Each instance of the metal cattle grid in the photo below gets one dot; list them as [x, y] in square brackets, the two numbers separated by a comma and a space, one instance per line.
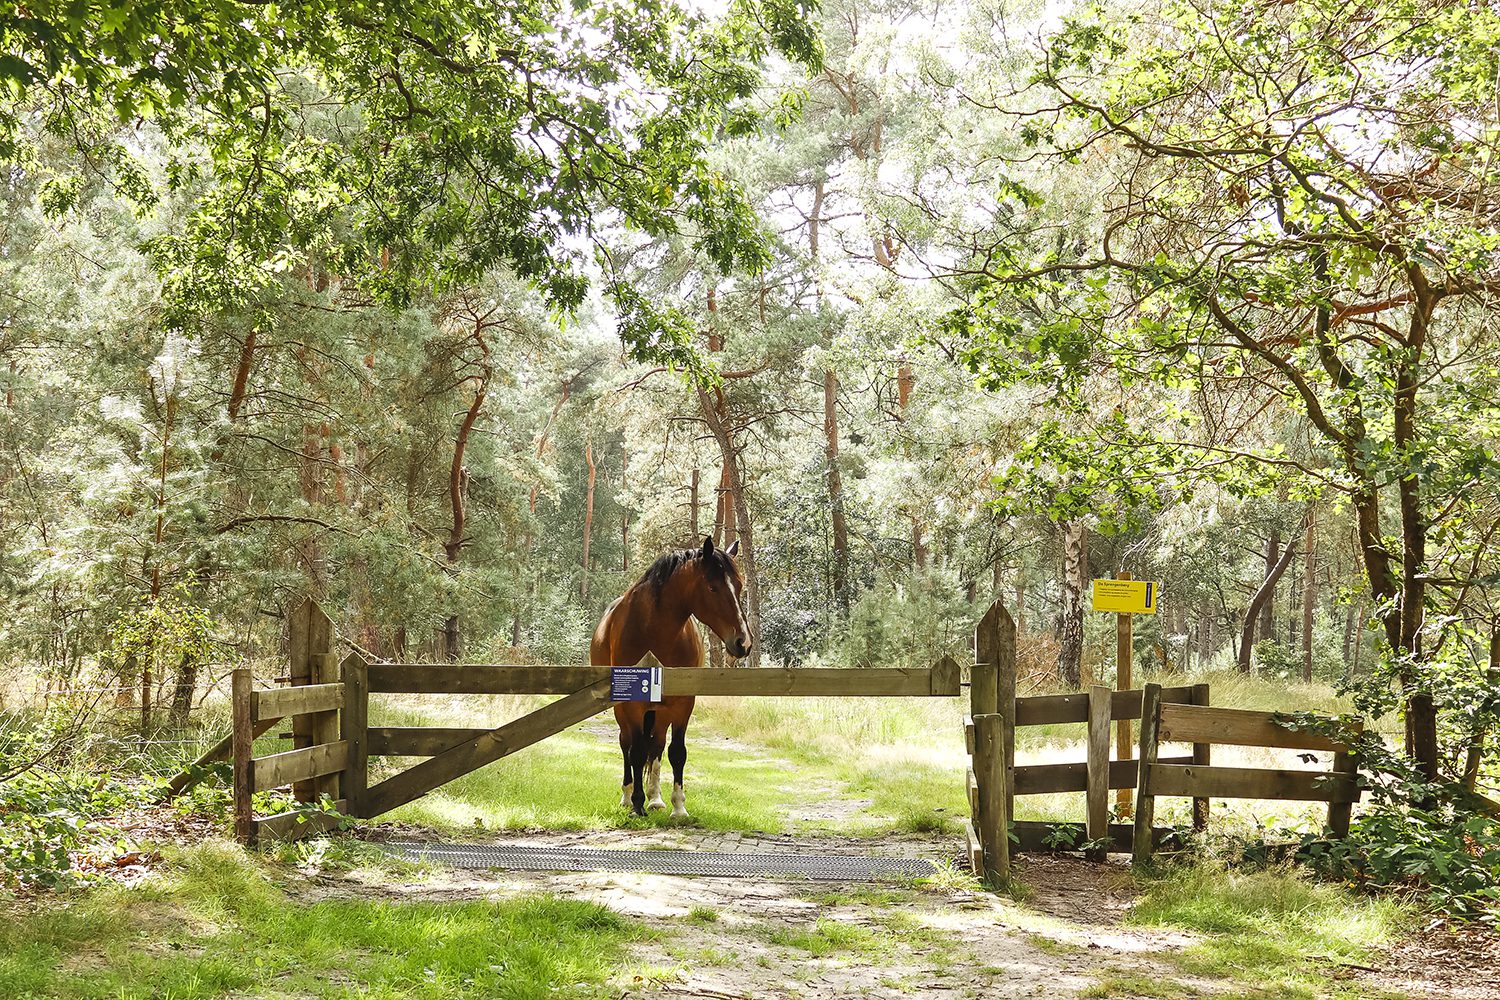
[824, 867]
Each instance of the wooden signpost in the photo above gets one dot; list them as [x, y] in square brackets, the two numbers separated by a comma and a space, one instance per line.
[1126, 597]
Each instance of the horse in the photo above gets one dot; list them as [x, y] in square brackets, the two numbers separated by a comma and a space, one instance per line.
[654, 618]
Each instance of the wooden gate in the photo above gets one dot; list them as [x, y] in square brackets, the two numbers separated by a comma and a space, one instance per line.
[328, 703]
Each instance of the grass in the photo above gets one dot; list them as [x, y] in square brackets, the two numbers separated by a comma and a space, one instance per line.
[906, 757]
[218, 926]
[1273, 932]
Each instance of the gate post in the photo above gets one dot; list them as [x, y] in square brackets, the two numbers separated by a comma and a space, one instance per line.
[1202, 756]
[310, 651]
[354, 723]
[1096, 791]
[993, 696]
[1145, 801]
[989, 764]
[242, 744]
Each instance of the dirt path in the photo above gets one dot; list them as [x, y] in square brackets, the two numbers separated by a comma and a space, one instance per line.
[740, 938]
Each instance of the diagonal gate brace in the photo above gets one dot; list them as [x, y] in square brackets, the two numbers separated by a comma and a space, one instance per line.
[486, 749]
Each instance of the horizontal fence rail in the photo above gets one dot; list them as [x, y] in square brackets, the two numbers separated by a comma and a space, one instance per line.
[1162, 723]
[406, 678]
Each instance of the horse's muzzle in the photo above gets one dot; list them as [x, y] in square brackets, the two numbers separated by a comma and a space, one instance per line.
[739, 647]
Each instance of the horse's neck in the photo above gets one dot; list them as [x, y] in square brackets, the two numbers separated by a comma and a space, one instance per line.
[661, 627]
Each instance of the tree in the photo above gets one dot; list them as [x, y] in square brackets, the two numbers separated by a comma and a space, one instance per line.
[1307, 204]
[409, 147]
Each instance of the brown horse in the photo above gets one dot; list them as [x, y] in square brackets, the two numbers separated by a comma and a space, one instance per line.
[655, 618]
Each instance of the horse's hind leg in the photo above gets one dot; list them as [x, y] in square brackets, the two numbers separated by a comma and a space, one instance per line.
[677, 754]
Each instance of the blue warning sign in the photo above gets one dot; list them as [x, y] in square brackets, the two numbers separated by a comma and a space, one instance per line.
[635, 684]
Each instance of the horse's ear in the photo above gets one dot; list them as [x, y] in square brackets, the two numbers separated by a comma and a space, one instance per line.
[734, 548]
[708, 545]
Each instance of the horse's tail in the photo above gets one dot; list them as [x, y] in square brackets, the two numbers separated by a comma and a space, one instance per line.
[648, 724]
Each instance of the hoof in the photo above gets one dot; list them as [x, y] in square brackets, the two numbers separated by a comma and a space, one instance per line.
[637, 811]
[680, 814]
[656, 803]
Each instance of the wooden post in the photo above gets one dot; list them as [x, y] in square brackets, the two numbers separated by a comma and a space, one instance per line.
[1124, 660]
[1202, 757]
[1097, 791]
[997, 632]
[1339, 812]
[354, 725]
[984, 692]
[309, 634]
[994, 820]
[242, 745]
[1145, 802]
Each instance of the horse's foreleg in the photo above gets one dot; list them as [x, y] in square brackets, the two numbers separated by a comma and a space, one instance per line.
[653, 781]
[627, 786]
[638, 747]
[677, 754]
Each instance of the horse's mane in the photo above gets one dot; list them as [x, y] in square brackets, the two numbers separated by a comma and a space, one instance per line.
[659, 572]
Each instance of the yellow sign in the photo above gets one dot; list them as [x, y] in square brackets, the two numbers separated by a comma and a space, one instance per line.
[1127, 597]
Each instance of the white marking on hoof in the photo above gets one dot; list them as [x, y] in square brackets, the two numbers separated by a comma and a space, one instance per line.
[653, 786]
[626, 791]
[679, 803]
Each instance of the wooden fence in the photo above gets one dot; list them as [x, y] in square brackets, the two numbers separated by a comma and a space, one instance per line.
[328, 704]
[1164, 722]
[994, 779]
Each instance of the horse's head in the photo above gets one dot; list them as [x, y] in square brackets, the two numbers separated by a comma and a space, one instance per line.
[715, 599]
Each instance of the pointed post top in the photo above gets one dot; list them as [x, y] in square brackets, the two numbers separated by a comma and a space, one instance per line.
[946, 677]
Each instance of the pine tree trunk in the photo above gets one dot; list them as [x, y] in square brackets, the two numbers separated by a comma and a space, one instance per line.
[1309, 595]
[1259, 601]
[1267, 626]
[836, 494]
[1075, 584]
[588, 516]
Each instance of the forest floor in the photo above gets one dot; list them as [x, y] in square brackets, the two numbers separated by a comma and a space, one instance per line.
[190, 915]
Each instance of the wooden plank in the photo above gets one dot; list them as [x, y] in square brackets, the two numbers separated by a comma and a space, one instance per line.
[354, 723]
[1145, 805]
[969, 735]
[973, 786]
[975, 850]
[1055, 709]
[1033, 836]
[944, 678]
[405, 678]
[1124, 664]
[1237, 727]
[400, 741]
[480, 678]
[242, 738]
[1073, 776]
[993, 820]
[194, 772]
[325, 728]
[1005, 638]
[300, 765]
[490, 746]
[300, 823]
[1252, 783]
[1343, 762]
[301, 700]
[1096, 778]
[1203, 757]
[984, 695]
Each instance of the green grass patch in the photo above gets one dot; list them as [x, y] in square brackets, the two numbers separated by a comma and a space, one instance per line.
[572, 782]
[826, 937]
[218, 926]
[1273, 931]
